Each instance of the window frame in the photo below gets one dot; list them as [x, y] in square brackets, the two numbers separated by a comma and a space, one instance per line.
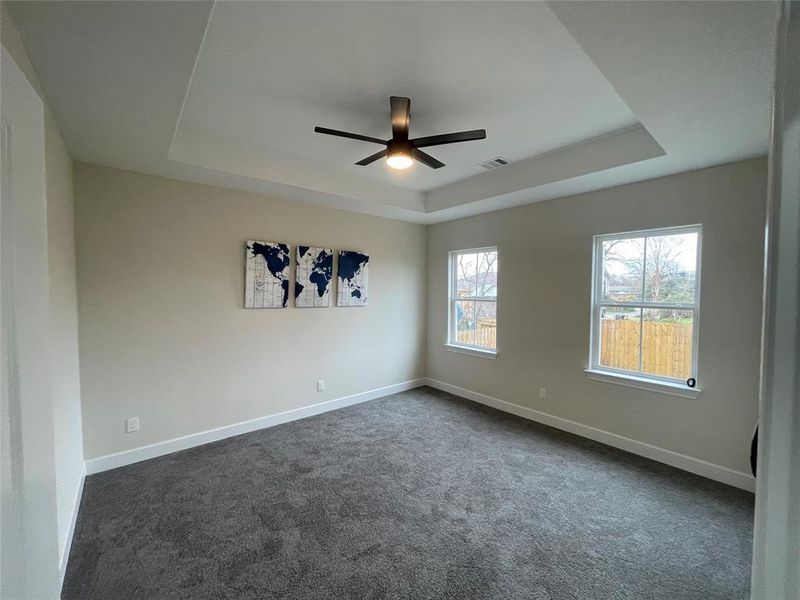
[451, 341]
[638, 378]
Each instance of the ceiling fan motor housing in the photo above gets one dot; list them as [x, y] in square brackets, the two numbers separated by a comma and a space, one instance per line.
[400, 147]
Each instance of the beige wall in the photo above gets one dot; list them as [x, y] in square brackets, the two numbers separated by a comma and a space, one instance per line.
[165, 337]
[545, 261]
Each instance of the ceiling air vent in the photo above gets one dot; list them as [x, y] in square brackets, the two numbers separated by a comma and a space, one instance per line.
[493, 163]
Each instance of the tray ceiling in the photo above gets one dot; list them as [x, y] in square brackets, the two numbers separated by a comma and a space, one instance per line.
[576, 95]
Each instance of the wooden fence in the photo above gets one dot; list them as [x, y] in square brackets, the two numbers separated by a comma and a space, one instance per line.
[485, 334]
[666, 347]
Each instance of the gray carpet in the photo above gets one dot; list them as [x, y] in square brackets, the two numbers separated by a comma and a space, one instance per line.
[416, 495]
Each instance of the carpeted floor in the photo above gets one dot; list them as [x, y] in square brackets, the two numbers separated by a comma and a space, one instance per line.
[416, 495]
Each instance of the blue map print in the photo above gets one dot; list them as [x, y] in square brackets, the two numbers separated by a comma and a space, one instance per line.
[314, 271]
[276, 259]
[353, 271]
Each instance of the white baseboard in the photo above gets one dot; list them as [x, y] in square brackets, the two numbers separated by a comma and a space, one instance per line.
[64, 555]
[127, 457]
[737, 479]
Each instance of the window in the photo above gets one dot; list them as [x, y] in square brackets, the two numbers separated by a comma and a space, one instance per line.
[473, 300]
[645, 304]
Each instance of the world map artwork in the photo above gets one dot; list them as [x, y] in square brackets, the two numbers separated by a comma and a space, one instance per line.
[353, 278]
[313, 277]
[266, 275]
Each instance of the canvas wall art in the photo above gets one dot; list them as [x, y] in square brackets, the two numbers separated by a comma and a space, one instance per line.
[313, 273]
[266, 275]
[353, 278]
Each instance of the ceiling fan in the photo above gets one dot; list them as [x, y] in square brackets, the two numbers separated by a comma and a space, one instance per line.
[401, 152]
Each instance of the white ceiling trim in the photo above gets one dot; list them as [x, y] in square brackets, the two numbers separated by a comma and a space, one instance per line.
[625, 147]
[212, 151]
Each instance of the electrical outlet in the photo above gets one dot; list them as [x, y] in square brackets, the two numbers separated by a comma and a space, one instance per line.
[131, 424]
[542, 393]
[321, 385]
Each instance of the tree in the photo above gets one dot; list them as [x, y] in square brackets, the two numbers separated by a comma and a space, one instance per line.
[622, 269]
[666, 280]
[477, 277]
[654, 262]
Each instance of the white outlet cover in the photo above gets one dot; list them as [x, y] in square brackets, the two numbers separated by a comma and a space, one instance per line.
[131, 424]
[321, 385]
[542, 393]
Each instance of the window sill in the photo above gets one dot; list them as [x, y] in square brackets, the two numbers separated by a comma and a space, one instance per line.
[642, 383]
[490, 354]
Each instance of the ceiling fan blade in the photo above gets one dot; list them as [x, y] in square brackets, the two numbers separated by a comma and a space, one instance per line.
[371, 159]
[352, 136]
[427, 159]
[449, 138]
[401, 109]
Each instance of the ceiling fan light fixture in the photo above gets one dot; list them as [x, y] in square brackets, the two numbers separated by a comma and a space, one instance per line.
[400, 152]
[399, 161]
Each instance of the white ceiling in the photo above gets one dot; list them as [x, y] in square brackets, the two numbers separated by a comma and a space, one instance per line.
[578, 95]
[268, 72]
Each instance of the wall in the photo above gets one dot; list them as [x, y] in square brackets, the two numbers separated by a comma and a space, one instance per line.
[776, 534]
[64, 363]
[59, 369]
[165, 337]
[28, 528]
[545, 262]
